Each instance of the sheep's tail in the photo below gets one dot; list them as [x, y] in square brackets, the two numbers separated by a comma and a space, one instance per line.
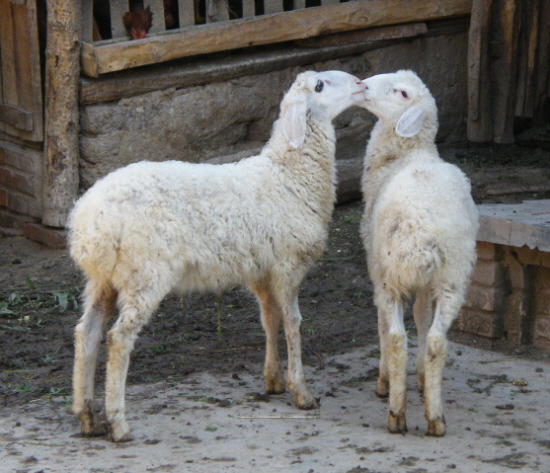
[94, 250]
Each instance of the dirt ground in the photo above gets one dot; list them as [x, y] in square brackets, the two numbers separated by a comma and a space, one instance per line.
[201, 357]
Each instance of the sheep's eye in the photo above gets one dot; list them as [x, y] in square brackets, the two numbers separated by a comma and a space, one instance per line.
[404, 94]
[319, 86]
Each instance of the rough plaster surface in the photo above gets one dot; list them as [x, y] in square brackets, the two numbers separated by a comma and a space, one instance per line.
[228, 118]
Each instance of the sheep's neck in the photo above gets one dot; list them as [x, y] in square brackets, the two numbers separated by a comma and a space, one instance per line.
[386, 146]
[387, 153]
[311, 168]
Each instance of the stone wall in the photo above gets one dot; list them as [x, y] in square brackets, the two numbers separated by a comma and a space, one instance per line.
[228, 120]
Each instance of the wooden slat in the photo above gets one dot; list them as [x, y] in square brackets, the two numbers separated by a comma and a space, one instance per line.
[542, 88]
[249, 9]
[16, 117]
[329, 2]
[8, 56]
[118, 8]
[20, 70]
[530, 23]
[273, 6]
[157, 8]
[186, 11]
[221, 68]
[480, 116]
[216, 10]
[114, 55]
[504, 70]
[299, 4]
[87, 21]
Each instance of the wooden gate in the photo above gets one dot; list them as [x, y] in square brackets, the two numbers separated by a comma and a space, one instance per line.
[21, 109]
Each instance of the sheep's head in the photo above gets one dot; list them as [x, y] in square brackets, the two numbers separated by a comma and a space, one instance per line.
[330, 91]
[403, 101]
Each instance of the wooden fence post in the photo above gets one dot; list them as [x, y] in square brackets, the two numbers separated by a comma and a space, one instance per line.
[62, 120]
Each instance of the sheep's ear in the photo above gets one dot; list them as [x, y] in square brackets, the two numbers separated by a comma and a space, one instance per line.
[293, 121]
[410, 123]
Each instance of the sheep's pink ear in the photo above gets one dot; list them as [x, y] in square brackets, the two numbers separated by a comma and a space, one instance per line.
[411, 122]
[293, 121]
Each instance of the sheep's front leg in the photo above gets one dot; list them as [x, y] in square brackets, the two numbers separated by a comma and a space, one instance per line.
[396, 355]
[120, 342]
[271, 321]
[99, 307]
[296, 381]
[447, 308]
[423, 315]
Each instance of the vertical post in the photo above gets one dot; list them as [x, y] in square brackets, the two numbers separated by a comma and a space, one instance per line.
[62, 121]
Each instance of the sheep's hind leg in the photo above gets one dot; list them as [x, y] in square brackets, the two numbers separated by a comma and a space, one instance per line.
[423, 315]
[447, 307]
[396, 355]
[135, 312]
[99, 307]
[292, 320]
[383, 383]
[271, 321]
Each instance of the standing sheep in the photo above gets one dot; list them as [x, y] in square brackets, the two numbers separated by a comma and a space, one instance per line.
[151, 228]
[419, 230]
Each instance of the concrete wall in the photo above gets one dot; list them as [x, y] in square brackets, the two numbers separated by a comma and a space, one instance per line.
[227, 120]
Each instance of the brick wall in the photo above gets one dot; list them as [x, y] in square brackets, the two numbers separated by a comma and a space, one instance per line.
[509, 296]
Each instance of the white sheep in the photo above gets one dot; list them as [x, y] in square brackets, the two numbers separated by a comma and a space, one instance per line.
[151, 228]
[419, 229]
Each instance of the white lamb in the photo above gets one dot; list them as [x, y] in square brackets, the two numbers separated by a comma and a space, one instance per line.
[151, 228]
[419, 229]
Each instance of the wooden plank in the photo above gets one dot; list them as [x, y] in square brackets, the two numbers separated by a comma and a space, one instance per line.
[118, 8]
[129, 83]
[8, 56]
[383, 33]
[249, 9]
[542, 87]
[16, 117]
[116, 55]
[504, 70]
[299, 4]
[273, 6]
[526, 58]
[216, 10]
[62, 117]
[480, 116]
[20, 70]
[87, 21]
[157, 8]
[329, 2]
[186, 11]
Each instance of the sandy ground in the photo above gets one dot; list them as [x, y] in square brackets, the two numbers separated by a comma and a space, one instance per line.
[497, 410]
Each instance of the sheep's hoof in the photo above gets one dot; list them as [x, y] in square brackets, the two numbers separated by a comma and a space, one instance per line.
[90, 423]
[382, 388]
[120, 434]
[397, 424]
[421, 383]
[306, 403]
[274, 386]
[437, 427]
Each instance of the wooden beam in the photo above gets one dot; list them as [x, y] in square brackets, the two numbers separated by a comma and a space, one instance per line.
[110, 56]
[62, 119]
[480, 115]
[220, 67]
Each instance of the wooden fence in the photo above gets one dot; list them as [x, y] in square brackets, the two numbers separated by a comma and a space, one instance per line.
[256, 23]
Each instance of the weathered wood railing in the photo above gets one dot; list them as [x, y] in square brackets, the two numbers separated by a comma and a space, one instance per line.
[274, 25]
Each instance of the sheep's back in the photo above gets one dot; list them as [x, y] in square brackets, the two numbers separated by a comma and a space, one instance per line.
[426, 223]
